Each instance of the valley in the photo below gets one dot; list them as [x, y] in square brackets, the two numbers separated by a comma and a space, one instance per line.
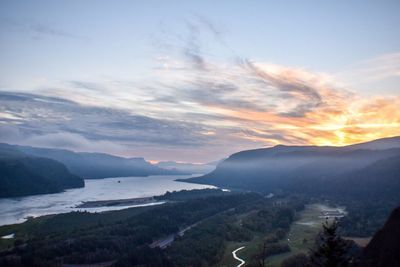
[199, 133]
[165, 221]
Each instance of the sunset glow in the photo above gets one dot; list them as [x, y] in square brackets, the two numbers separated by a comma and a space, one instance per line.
[187, 87]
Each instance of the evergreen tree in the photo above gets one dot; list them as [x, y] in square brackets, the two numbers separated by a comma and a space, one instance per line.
[331, 249]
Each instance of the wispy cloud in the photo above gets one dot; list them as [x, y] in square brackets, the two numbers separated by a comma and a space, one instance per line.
[378, 69]
[35, 115]
[37, 120]
[280, 104]
[194, 104]
[38, 29]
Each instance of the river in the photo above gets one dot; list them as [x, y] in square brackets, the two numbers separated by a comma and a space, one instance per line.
[16, 210]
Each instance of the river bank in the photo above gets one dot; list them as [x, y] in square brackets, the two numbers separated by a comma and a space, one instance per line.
[98, 194]
[120, 202]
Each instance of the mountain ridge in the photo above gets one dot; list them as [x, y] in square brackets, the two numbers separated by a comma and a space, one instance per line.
[97, 165]
[302, 168]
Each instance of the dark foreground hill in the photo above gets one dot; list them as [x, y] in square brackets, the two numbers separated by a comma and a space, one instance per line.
[384, 248]
[364, 170]
[97, 165]
[22, 175]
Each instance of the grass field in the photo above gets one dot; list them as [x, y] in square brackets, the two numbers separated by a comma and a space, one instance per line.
[250, 248]
[300, 238]
[302, 233]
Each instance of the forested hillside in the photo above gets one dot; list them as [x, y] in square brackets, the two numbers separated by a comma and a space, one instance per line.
[22, 175]
[364, 177]
[353, 171]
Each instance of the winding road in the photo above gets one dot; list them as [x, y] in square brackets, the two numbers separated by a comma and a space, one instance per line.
[242, 262]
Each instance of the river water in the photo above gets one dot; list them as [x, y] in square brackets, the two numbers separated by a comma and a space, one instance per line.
[16, 210]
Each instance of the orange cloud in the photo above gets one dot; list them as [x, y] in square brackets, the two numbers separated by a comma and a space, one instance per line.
[311, 110]
[248, 104]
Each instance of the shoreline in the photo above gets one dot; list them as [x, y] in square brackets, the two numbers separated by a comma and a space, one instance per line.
[118, 202]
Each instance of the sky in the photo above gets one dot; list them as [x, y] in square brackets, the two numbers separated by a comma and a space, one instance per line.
[195, 81]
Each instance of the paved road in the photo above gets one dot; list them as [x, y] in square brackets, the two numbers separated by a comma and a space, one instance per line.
[242, 262]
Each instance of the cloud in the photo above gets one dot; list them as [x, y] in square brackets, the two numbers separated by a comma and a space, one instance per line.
[249, 104]
[242, 106]
[38, 120]
[34, 115]
[92, 86]
[72, 141]
[212, 27]
[292, 83]
[38, 29]
[191, 50]
[272, 104]
[381, 72]
[43, 29]
[193, 105]
[189, 47]
[255, 86]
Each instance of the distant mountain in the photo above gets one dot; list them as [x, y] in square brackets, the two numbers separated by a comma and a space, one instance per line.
[361, 169]
[97, 165]
[384, 248]
[190, 168]
[22, 175]
[383, 143]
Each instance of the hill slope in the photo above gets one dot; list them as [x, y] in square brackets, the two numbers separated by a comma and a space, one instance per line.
[384, 248]
[22, 175]
[358, 169]
[97, 165]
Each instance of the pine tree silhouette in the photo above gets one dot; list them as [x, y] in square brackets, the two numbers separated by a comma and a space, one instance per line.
[331, 249]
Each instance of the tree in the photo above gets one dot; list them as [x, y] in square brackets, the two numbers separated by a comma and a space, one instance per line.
[331, 249]
[298, 260]
[263, 254]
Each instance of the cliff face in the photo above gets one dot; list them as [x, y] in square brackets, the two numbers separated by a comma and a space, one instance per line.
[384, 248]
